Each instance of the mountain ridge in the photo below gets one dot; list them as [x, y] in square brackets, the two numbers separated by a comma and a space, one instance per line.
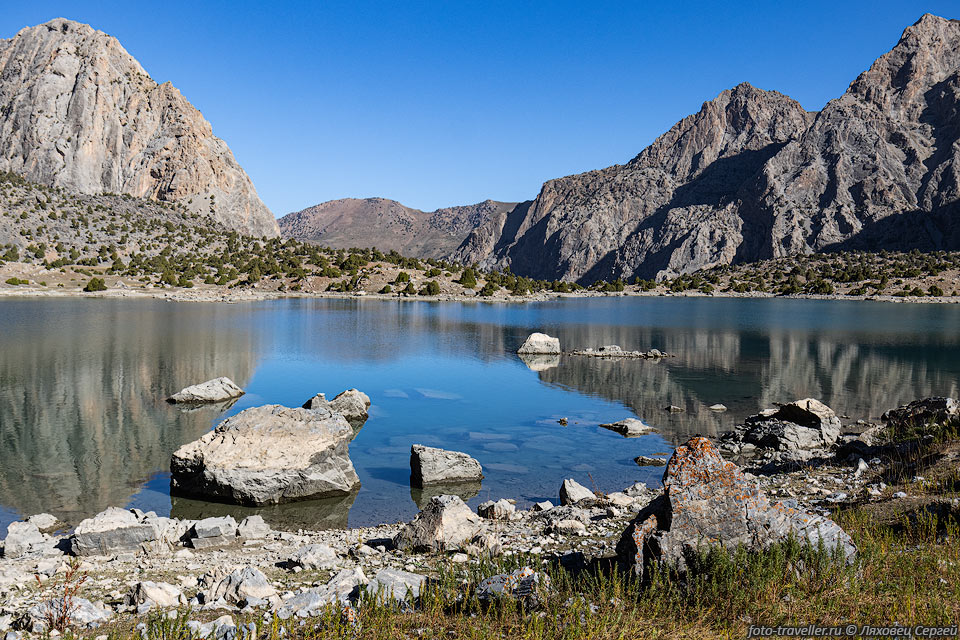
[753, 176]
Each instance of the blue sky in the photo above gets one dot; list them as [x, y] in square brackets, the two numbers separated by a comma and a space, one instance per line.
[442, 103]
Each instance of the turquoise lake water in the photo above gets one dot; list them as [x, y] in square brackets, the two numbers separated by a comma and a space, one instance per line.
[84, 424]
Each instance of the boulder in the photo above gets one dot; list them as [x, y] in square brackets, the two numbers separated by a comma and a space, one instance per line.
[240, 586]
[342, 589]
[79, 611]
[313, 556]
[499, 510]
[253, 527]
[522, 584]
[707, 500]
[216, 390]
[429, 465]
[160, 594]
[268, 455]
[24, 539]
[353, 405]
[445, 524]
[317, 401]
[537, 343]
[44, 521]
[649, 461]
[400, 586]
[919, 412]
[222, 526]
[795, 429]
[572, 492]
[109, 532]
[629, 427]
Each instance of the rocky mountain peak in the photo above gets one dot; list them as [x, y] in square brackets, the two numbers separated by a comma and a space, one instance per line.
[79, 112]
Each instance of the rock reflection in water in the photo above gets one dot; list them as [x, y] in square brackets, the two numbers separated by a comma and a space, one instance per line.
[325, 513]
[464, 490]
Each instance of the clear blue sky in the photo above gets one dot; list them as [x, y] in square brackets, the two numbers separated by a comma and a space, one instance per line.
[442, 103]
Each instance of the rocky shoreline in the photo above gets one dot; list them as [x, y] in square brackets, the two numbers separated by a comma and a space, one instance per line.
[133, 563]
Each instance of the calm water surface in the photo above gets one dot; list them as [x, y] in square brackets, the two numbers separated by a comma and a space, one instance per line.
[84, 425]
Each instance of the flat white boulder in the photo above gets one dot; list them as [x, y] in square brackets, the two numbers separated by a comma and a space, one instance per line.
[268, 455]
[540, 343]
[216, 390]
[629, 427]
[429, 465]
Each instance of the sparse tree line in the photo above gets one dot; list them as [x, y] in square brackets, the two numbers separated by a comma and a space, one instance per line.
[165, 244]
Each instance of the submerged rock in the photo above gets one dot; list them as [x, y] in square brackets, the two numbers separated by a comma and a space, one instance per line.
[707, 500]
[446, 524]
[268, 455]
[429, 465]
[540, 343]
[649, 461]
[216, 390]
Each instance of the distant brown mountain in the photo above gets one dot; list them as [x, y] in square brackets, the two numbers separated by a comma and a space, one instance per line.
[388, 225]
[753, 176]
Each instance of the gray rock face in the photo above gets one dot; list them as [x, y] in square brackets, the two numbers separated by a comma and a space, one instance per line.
[216, 390]
[43, 521]
[214, 527]
[446, 524]
[572, 492]
[707, 500]
[499, 510]
[429, 465]
[342, 589]
[268, 455]
[82, 114]
[109, 532]
[23, 539]
[539, 343]
[753, 176]
[629, 427]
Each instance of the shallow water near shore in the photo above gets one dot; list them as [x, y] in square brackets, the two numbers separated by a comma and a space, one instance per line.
[84, 425]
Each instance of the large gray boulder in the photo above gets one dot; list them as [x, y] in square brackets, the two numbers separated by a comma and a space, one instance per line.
[24, 539]
[268, 455]
[111, 531]
[446, 524]
[429, 465]
[216, 390]
[540, 343]
[707, 500]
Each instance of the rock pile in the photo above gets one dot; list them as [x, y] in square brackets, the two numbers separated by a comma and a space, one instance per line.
[614, 351]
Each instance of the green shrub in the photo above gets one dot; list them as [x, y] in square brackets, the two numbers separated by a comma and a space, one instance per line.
[431, 288]
[95, 284]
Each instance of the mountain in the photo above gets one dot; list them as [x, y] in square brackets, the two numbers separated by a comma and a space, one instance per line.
[388, 225]
[753, 176]
[79, 112]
